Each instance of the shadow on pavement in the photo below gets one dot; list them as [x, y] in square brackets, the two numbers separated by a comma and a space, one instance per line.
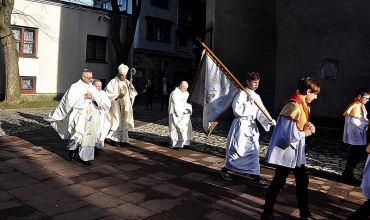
[143, 180]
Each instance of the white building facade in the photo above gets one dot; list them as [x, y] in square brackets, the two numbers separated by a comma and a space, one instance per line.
[56, 40]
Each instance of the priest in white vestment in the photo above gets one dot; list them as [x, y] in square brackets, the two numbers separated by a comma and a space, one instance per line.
[104, 112]
[76, 118]
[179, 111]
[122, 93]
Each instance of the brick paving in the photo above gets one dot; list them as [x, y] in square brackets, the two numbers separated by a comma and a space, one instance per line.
[145, 180]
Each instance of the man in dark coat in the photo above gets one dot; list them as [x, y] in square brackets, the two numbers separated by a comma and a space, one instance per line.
[164, 90]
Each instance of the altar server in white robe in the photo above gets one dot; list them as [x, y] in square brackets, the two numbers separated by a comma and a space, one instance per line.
[122, 93]
[287, 148]
[181, 130]
[104, 111]
[76, 118]
[242, 147]
[356, 124]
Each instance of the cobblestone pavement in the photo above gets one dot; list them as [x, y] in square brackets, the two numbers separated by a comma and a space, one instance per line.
[144, 179]
[327, 153]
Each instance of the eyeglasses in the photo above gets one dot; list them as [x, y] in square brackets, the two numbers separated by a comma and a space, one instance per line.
[87, 77]
[366, 98]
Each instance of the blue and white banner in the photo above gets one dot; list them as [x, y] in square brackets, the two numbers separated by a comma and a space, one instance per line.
[213, 91]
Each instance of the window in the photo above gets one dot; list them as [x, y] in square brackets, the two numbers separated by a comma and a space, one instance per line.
[26, 40]
[105, 6]
[159, 3]
[28, 84]
[329, 68]
[185, 14]
[158, 29]
[101, 4]
[95, 48]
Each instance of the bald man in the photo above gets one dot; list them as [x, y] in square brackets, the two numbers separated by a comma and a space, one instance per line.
[179, 111]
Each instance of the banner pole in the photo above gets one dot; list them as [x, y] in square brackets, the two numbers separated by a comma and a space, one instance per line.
[233, 79]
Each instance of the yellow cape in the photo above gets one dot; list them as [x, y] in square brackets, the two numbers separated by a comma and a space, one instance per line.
[354, 110]
[297, 112]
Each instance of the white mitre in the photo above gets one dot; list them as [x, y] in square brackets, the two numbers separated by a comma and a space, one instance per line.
[123, 69]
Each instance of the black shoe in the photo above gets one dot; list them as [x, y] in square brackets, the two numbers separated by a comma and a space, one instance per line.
[266, 216]
[110, 142]
[260, 183]
[362, 212]
[71, 155]
[176, 148]
[225, 174]
[116, 144]
[309, 217]
[96, 151]
[88, 163]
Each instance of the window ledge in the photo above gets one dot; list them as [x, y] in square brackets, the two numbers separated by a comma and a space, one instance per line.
[27, 56]
[28, 91]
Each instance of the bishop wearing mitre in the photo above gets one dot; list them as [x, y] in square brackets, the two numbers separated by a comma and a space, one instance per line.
[122, 93]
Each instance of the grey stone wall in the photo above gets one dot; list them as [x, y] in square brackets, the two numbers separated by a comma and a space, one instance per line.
[311, 31]
[242, 34]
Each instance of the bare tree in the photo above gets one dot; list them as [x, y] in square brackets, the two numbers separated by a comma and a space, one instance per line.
[12, 87]
[123, 49]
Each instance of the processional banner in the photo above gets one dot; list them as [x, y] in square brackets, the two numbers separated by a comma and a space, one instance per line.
[212, 90]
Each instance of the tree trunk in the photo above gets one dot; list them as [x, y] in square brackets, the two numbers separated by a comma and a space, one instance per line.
[116, 32]
[136, 9]
[123, 50]
[12, 87]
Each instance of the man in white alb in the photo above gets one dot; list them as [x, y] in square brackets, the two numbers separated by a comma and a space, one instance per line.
[76, 118]
[104, 111]
[179, 111]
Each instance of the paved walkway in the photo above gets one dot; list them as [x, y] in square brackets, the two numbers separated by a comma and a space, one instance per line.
[144, 180]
